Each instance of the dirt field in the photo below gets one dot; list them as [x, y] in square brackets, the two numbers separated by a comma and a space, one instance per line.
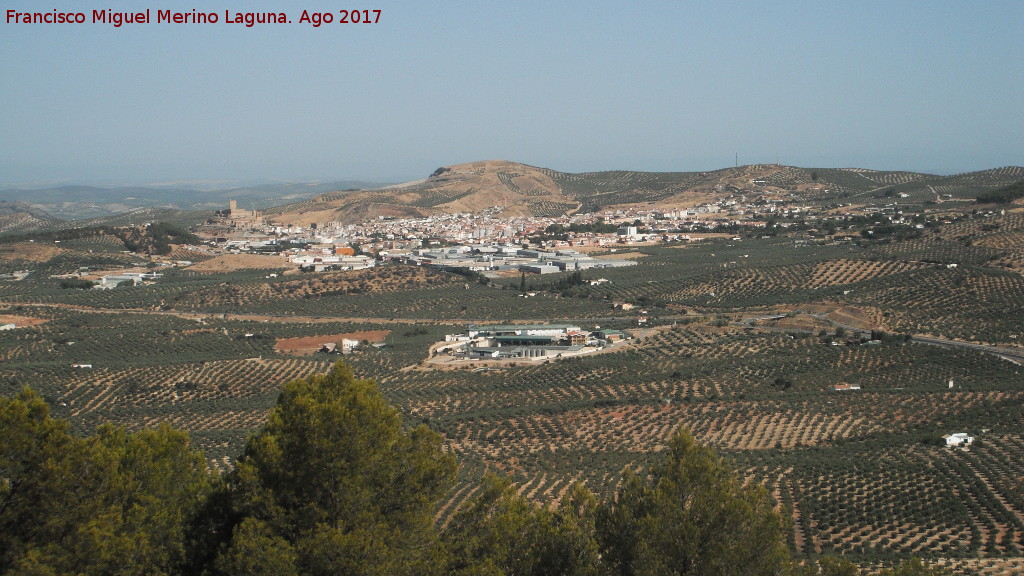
[21, 321]
[229, 262]
[864, 318]
[97, 274]
[622, 256]
[31, 251]
[310, 344]
[802, 322]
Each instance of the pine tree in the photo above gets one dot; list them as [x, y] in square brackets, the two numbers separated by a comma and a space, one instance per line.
[692, 516]
[334, 478]
[112, 503]
[500, 533]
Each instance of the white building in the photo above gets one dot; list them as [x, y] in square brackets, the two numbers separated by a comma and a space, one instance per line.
[554, 330]
[959, 439]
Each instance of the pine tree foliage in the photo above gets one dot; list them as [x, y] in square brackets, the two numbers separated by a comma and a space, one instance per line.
[334, 483]
[500, 533]
[335, 476]
[692, 516]
[112, 503]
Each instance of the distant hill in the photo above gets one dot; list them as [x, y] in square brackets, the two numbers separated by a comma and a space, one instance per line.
[21, 217]
[84, 202]
[513, 189]
[504, 188]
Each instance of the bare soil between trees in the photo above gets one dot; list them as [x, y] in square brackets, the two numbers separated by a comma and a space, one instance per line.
[21, 321]
[306, 345]
[232, 262]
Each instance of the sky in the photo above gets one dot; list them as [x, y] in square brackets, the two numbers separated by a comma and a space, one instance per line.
[933, 86]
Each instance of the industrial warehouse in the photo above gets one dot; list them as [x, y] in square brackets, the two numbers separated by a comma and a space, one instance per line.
[527, 341]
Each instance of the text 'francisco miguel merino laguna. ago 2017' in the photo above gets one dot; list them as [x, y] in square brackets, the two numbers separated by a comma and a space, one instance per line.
[249, 19]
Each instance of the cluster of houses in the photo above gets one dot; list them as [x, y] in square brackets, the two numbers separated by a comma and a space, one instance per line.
[240, 231]
[332, 258]
[16, 275]
[345, 346]
[527, 341]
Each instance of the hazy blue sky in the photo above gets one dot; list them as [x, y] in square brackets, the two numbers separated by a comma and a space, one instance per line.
[934, 85]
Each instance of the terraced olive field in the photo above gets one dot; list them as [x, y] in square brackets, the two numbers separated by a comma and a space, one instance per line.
[755, 345]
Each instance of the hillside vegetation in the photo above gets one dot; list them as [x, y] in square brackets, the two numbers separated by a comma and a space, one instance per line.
[522, 190]
[333, 483]
[514, 189]
[824, 360]
[1004, 195]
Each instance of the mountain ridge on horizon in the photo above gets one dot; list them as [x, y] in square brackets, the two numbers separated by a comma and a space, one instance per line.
[515, 189]
[83, 201]
[505, 188]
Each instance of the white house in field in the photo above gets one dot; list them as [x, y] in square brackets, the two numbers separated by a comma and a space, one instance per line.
[958, 439]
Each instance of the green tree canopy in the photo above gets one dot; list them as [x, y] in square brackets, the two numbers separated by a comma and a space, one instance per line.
[500, 533]
[38, 460]
[111, 503]
[692, 516]
[1004, 195]
[335, 484]
[335, 481]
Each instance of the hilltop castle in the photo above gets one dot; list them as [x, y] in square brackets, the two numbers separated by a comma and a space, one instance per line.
[243, 218]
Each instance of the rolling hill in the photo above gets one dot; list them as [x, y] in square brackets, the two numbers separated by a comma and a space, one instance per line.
[512, 189]
[18, 217]
[90, 202]
[503, 188]
[827, 370]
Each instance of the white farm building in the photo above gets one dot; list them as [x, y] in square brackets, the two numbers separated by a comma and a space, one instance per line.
[535, 341]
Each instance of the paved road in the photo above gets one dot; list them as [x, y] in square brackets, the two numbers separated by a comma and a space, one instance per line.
[1015, 356]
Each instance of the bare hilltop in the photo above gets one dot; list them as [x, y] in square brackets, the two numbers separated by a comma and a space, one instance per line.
[514, 189]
